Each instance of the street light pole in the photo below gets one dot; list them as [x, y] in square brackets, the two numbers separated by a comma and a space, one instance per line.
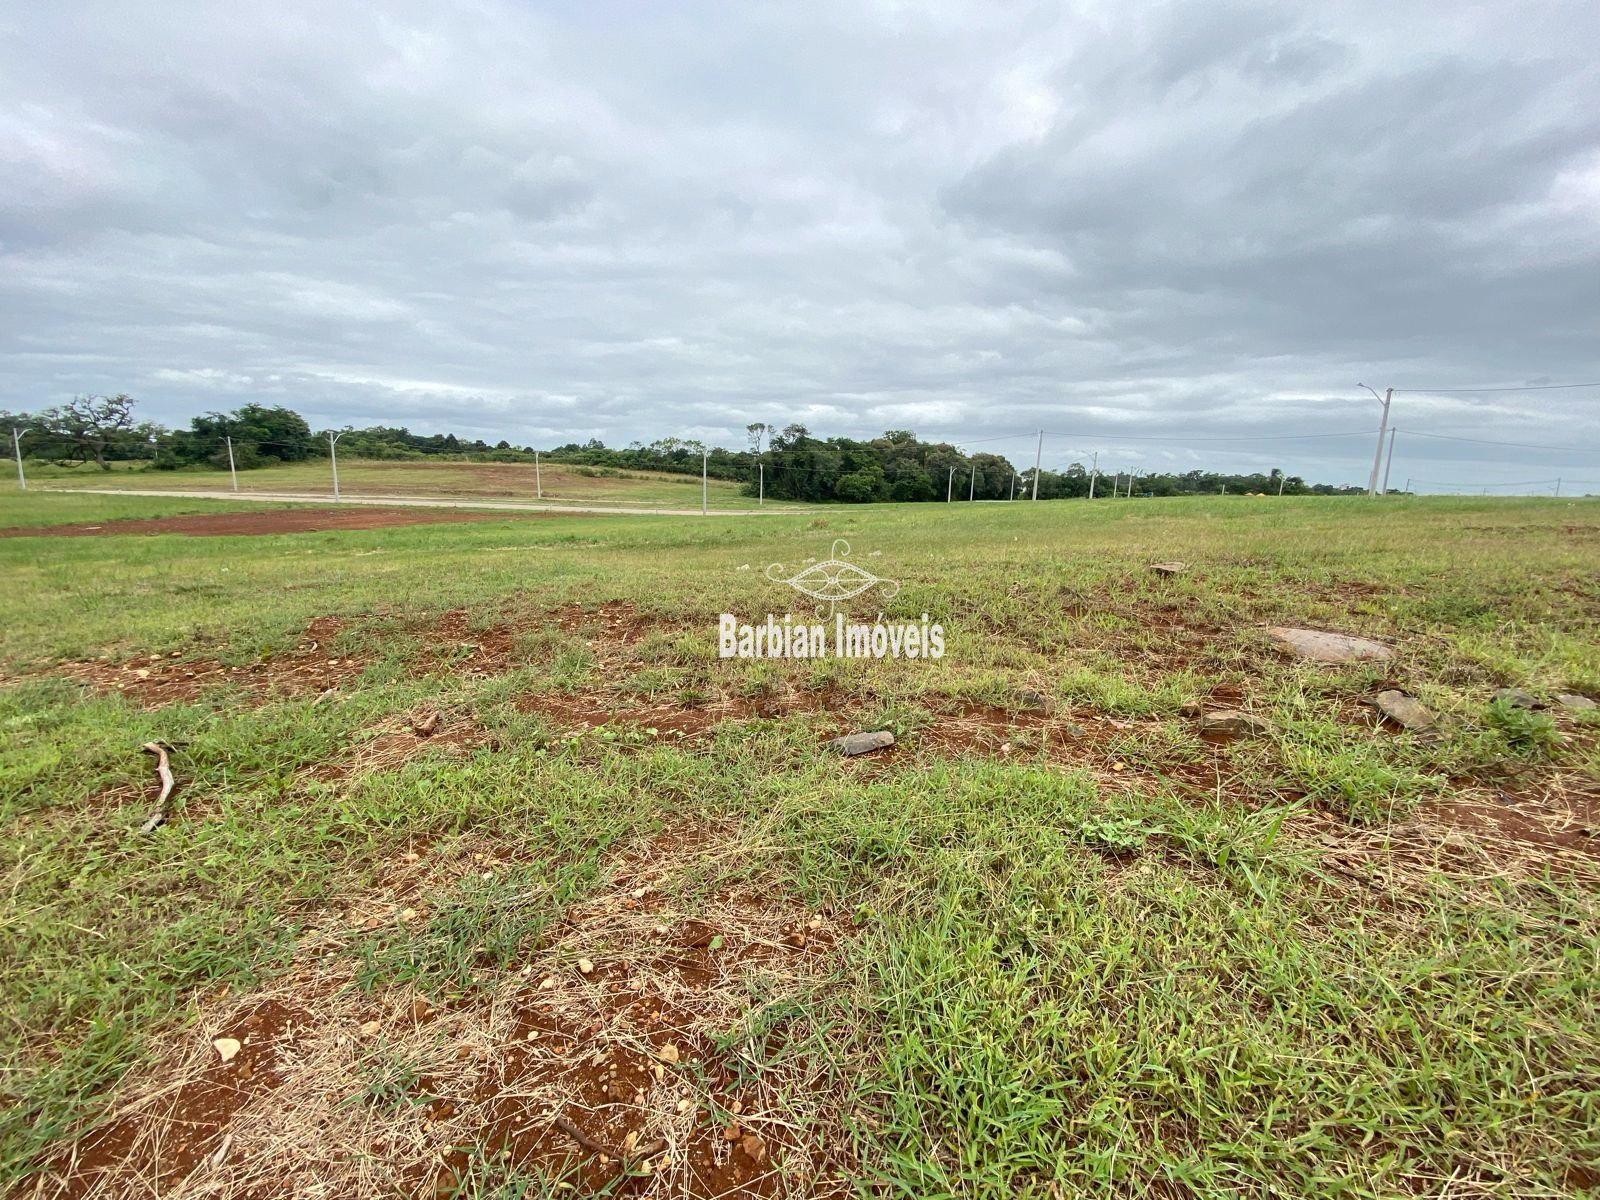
[1038, 455]
[1383, 429]
[705, 456]
[972, 483]
[1389, 461]
[1094, 469]
[333, 457]
[16, 446]
[949, 486]
[538, 479]
[233, 472]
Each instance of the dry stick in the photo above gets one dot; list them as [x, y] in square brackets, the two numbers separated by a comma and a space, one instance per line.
[165, 772]
[588, 1143]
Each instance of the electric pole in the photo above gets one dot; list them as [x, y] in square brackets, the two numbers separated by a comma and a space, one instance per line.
[538, 479]
[1383, 429]
[233, 472]
[1038, 456]
[1389, 461]
[16, 446]
[705, 456]
[1094, 469]
[949, 486]
[972, 483]
[333, 458]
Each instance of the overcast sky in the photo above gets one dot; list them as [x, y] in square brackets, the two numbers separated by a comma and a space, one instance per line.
[549, 222]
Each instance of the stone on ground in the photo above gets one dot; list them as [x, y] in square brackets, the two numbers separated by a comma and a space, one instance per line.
[1575, 702]
[1319, 645]
[862, 743]
[1036, 701]
[1169, 568]
[1230, 722]
[1403, 709]
[1515, 697]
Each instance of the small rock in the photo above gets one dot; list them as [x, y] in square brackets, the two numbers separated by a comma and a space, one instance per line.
[1169, 568]
[1230, 722]
[1075, 732]
[1403, 709]
[852, 744]
[371, 1028]
[227, 1048]
[1318, 645]
[548, 982]
[685, 1105]
[1575, 702]
[408, 914]
[1190, 709]
[1036, 702]
[752, 1145]
[1514, 697]
[585, 967]
[731, 1134]
[668, 1053]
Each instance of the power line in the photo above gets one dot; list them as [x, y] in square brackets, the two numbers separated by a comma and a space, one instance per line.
[1449, 437]
[1183, 441]
[1532, 387]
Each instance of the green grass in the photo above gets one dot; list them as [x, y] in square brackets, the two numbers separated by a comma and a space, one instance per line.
[1126, 963]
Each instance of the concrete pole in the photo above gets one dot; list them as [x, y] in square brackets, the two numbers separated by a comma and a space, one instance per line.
[1383, 430]
[1388, 462]
[1094, 469]
[333, 457]
[1013, 485]
[949, 486]
[1282, 479]
[761, 485]
[972, 483]
[705, 456]
[1558, 485]
[538, 479]
[16, 446]
[233, 472]
[1038, 457]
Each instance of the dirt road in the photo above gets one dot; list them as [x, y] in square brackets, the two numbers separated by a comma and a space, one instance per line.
[423, 502]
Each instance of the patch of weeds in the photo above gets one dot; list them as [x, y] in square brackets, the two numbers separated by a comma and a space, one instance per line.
[1119, 835]
[1527, 732]
[390, 1082]
[1354, 778]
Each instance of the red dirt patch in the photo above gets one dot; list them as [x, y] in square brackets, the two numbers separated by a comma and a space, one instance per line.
[277, 520]
[168, 679]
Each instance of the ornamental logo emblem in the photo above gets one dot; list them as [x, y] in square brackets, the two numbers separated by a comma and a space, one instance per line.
[833, 581]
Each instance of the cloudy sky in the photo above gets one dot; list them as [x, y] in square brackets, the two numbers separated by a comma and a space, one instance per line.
[1195, 223]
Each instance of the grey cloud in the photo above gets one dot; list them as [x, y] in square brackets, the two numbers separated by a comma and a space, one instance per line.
[548, 223]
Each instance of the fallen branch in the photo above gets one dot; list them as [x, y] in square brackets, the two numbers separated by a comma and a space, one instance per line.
[588, 1143]
[165, 772]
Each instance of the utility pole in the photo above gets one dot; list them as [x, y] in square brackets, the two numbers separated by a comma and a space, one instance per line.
[1038, 456]
[233, 472]
[949, 486]
[1094, 469]
[1408, 485]
[333, 457]
[16, 446]
[1013, 485]
[1282, 479]
[705, 456]
[538, 479]
[1389, 461]
[972, 483]
[1383, 429]
[761, 484]
[1558, 485]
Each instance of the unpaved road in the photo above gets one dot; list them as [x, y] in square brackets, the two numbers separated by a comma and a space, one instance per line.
[425, 502]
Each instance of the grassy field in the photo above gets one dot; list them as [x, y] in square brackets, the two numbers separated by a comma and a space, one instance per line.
[447, 480]
[486, 876]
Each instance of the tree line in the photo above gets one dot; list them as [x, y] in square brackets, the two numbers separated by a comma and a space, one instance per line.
[785, 464]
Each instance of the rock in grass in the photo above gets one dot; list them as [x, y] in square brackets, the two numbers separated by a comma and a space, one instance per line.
[852, 744]
[1403, 709]
[226, 1048]
[1514, 698]
[1169, 568]
[1231, 723]
[1575, 702]
[1036, 701]
[1318, 645]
